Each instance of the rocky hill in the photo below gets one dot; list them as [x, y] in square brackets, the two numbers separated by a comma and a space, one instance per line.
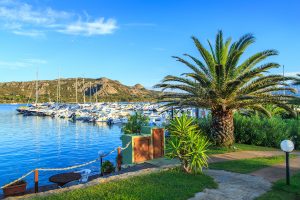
[102, 89]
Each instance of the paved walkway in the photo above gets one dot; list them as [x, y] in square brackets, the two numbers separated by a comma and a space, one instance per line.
[277, 172]
[233, 186]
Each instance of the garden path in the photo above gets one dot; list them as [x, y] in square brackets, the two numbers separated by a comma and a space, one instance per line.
[245, 186]
[233, 186]
[277, 172]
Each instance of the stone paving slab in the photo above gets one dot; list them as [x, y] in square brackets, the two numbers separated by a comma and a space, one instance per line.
[277, 172]
[233, 186]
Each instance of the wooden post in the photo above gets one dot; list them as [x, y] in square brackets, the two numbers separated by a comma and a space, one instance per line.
[36, 181]
[119, 161]
[101, 171]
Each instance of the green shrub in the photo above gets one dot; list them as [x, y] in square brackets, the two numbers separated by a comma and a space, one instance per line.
[135, 123]
[261, 131]
[205, 126]
[265, 131]
[107, 167]
[293, 128]
[188, 144]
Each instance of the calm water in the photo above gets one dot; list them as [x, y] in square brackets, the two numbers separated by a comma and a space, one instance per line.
[31, 142]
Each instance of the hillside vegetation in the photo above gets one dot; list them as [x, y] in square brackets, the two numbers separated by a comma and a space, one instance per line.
[102, 89]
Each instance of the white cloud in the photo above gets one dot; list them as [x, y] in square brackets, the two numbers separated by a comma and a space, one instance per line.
[23, 63]
[97, 27]
[291, 73]
[35, 61]
[22, 12]
[25, 19]
[31, 33]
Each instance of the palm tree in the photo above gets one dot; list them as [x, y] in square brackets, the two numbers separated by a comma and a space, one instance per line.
[219, 81]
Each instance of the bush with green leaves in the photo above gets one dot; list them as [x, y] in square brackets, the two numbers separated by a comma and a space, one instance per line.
[265, 131]
[108, 167]
[293, 128]
[259, 130]
[188, 144]
[135, 123]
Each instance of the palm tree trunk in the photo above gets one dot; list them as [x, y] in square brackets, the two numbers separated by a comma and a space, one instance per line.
[222, 127]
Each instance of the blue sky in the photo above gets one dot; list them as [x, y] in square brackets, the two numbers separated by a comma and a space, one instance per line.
[133, 40]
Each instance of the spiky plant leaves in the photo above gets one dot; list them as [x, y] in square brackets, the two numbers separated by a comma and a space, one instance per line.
[188, 144]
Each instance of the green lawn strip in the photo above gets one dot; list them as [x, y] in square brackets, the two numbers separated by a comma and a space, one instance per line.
[245, 166]
[280, 191]
[167, 185]
[238, 147]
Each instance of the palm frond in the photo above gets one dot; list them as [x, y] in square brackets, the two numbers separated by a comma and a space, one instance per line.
[208, 58]
[219, 80]
[253, 60]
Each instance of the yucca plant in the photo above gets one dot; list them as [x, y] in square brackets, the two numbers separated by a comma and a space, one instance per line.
[188, 144]
[221, 82]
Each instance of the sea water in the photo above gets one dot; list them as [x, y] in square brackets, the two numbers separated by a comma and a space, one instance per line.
[29, 142]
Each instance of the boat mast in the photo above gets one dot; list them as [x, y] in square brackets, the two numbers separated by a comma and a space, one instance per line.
[76, 91]
[96, 94]
[49, 96]
[58, 88]
[36, 88]
[83, 92]
[57, 92]
[90, 92]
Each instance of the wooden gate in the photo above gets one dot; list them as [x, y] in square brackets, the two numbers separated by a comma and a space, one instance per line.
[142, 149]
[158, 143]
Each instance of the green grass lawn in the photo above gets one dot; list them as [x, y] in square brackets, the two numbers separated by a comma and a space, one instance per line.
[280, 191]
[167, 185]
[238, 147]
[248, 165]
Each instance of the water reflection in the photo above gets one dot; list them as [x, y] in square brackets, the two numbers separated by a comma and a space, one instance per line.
[33, 142]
